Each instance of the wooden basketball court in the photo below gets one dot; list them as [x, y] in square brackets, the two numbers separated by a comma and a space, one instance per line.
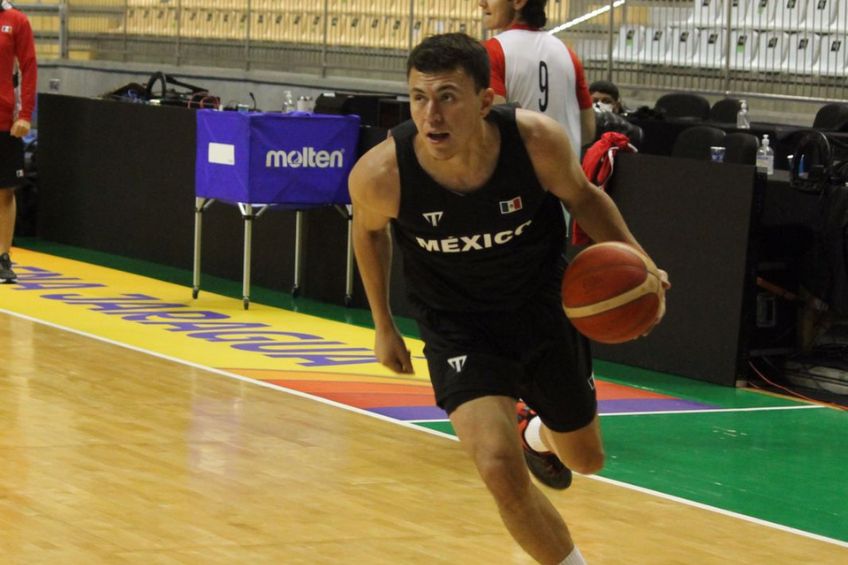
[114, 455]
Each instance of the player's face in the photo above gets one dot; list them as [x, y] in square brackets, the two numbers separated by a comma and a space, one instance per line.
[447, 109]
[497, 14]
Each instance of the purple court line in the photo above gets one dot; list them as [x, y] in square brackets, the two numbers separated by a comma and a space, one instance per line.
[421, 413]
[649, 405]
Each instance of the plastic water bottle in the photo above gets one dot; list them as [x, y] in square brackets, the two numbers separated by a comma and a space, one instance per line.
[288, 101]
[765, 157]
[742, 119]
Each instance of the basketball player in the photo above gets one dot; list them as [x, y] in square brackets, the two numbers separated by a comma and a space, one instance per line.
[536, 70]
[473, 195]
[16, 44]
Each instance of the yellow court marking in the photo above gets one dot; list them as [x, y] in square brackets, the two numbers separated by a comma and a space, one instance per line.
[213, 331]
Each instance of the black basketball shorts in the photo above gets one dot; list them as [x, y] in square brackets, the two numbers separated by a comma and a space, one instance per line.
[11, 160]
[534, 354]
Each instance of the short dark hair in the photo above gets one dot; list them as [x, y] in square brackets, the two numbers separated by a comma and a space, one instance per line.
[449, 51]
[604, 86]
[533, 13]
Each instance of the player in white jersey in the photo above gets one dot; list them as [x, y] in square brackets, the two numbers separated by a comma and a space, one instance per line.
[535, 69]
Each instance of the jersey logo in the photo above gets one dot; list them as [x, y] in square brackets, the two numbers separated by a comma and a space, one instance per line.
[6, 29]
[457, 363]
[20, 173]
[473, 242]
[510, 206]
[433, 218]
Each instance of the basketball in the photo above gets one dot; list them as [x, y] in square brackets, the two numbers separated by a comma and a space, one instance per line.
[611, 292]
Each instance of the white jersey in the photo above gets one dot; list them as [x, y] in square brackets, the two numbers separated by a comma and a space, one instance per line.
[536, 70]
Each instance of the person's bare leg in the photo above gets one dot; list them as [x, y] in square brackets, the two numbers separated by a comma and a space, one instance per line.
[487, 430]
[581, 450]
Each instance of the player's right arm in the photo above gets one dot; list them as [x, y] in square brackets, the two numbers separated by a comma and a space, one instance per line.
[374, 186]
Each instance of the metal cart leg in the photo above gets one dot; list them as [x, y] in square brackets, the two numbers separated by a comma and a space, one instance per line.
[348, 299]
[200, 204]
[298, 255]
[247, 214]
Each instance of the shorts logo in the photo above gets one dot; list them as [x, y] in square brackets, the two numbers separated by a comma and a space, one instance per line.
[457, 363]
[591, 381]
[510, 206]
[20, 173]
[6, 29]
[433, 218]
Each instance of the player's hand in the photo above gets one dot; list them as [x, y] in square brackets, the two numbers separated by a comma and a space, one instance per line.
[391, 351]
[20, 128]
[665, 284]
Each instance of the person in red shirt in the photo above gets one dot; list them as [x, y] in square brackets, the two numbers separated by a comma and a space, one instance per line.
[536, 70]
[17, 48]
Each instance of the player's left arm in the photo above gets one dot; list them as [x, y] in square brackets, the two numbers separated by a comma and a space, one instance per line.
[25, 54]
[560, 173]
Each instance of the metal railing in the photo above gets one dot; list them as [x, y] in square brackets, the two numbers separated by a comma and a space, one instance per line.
[772, 48]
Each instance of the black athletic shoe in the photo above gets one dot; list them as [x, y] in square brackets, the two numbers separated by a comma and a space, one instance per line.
[545, 466]
[6, 272]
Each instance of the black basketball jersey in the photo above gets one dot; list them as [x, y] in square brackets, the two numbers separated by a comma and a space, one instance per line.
[488, 250]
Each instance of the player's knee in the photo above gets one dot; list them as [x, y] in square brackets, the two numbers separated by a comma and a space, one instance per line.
[504, 476]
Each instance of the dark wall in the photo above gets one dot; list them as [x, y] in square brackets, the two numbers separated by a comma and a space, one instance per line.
[695, 219]
[119, 178]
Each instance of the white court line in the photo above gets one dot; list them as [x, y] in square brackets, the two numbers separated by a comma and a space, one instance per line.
[427, 430]
[699, 411]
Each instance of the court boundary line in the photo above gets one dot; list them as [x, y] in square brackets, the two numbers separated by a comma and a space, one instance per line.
[404, 424]
[698, 411]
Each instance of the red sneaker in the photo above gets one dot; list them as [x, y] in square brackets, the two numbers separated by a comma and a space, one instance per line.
[546, 467]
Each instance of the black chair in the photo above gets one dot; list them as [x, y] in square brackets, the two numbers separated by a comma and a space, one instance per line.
[832, 117]
[683, 105]
[724, 111]
[695, 142]
[741, 148]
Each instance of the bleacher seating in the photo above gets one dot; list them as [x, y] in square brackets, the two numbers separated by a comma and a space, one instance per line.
[802, 53]
[760, 14]
[710, 50]
[706, 13]
[655, 49]
[682, 46]
[742, 49]
[771, 51]
[832, 60]
[789, 14]
[628, 46]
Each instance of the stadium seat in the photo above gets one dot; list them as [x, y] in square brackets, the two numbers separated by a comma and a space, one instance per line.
[821, 15]
[832, 117]
[683, 105]
[832, 60]
[760, 14]
[802, 53]
[738, 13]
[682, 46]
[706, 13]
[695, 142]
[724, 111]
[655, 49]
[710, 52]
[742, 49]
[789, 14]
[741, 147]
[628, 46]
[771, 51]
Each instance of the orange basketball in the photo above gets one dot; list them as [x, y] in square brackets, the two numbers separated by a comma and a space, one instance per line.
[611, 292]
